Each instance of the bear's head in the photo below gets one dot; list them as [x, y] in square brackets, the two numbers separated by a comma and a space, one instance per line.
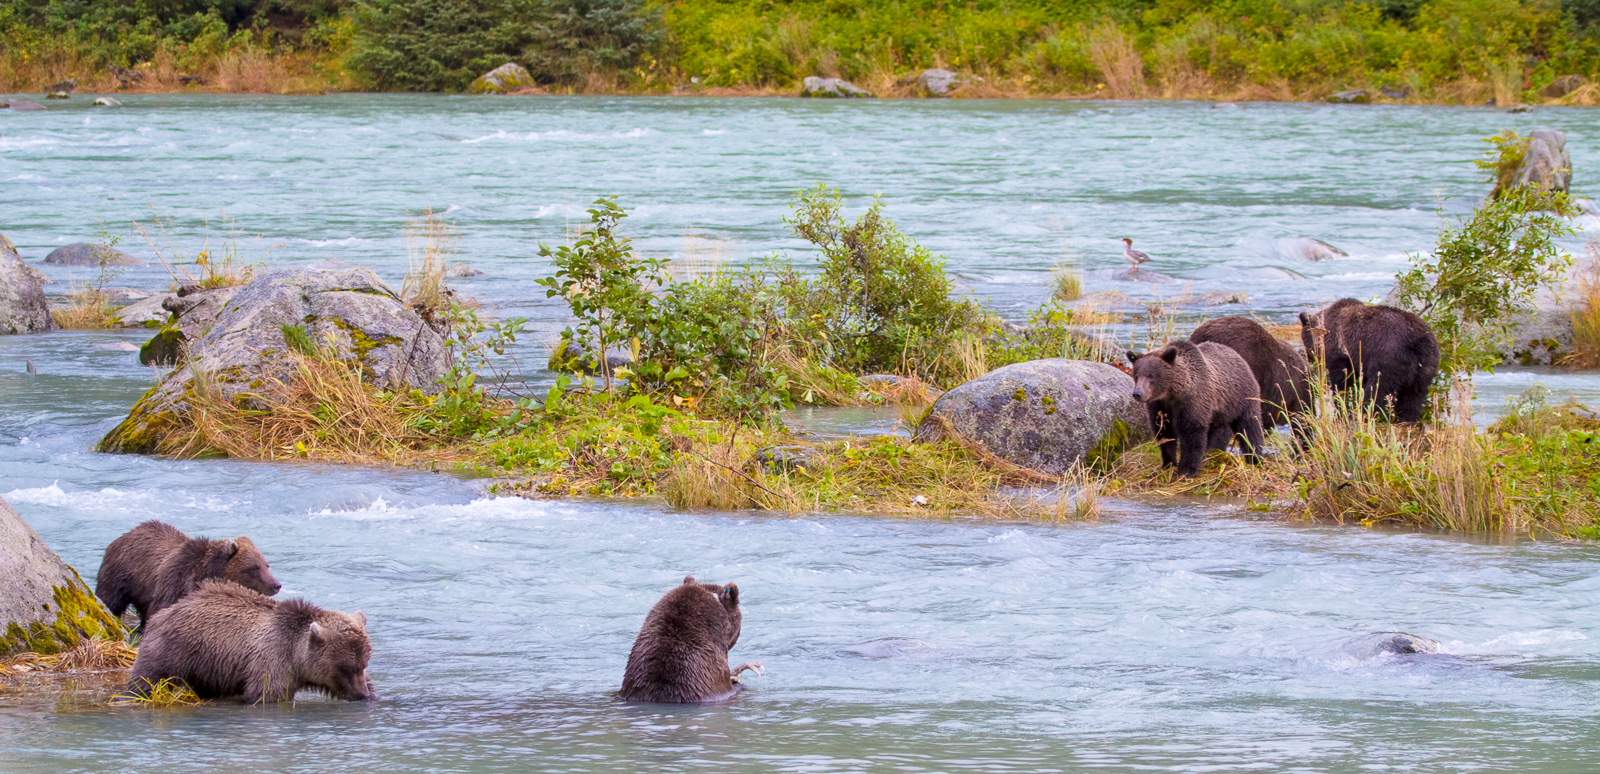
[247, 567]
[728, 597]
[337, 651]
[1312, 334]
[1155, 374]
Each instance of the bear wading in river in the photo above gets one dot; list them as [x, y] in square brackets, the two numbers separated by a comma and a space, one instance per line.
[225, 640]
[681, 654]
[1194, 391]
[154, 565]
[1282, 375]
[1390, 353]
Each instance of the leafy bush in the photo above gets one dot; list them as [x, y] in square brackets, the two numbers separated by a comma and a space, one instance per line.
[1484, 273]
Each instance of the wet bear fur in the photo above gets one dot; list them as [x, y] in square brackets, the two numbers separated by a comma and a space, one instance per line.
[681, 654]
[1282, 375]
[1391, 351]
[225, 640]
[154, 565]
[1194, 391]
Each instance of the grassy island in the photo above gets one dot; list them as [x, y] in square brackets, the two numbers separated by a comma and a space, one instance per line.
[1430, 51]
[675, 387]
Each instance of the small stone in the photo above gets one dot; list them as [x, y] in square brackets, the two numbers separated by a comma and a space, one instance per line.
[1142, 275]
[920, 501]
[85, 254]
[1350, 97]
[458, 270]
[1399, 91]
[1563, 86]
[504, 79]
[831, 88]
[934, 82]
[107, 102]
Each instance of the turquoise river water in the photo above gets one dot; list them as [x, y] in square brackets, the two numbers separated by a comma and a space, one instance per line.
[1172, 637]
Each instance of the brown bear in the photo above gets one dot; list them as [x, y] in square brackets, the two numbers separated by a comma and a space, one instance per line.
[1192, 392]
[1391, 353]
[155, 565]
[225, 640]
[681, 654]
[1282, 375]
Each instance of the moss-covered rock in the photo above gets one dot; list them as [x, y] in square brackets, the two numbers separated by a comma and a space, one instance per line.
[45, 607]
[504, 79]
[1044, 414]
[345, 313]
[23, 308]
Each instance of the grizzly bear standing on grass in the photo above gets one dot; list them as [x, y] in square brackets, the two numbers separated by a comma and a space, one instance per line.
[154, 565]
[1391, 353]
[1192, 392]
[1282, 375]
[225, 640]
[681, 655]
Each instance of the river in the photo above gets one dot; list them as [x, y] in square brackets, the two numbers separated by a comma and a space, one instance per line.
[1177, 637]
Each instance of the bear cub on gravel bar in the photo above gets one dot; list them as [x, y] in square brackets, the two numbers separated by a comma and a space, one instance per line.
[681, 655]
[1393, 353]
[225, 640]
[154, 565]
[1194, 391]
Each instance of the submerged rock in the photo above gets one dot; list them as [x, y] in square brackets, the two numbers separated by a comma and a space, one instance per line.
[107, 102]
[1350, 97]
[20, 104]
[85, 254]
[23, 308]
[1213, 298]
[348, 315]
[1563, 86]
[1308, 249]
[1044, 414]
[1391, 643]
[1546, 162]
[836, 88]
[504, 79]
[1105, 299]
[44, 606]
[458, 270]
[1131, 274]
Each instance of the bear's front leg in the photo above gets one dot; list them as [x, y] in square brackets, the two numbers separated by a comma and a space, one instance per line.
[1192, 438]
[1161, 424]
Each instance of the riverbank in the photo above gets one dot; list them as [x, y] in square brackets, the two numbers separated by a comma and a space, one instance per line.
[1448, 52]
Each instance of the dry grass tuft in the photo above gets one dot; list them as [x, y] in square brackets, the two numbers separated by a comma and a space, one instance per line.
[91, 655]
[430, 242]
[1586, 319]
[165, 693]
[1067, 281]
[223, 267]
[1117, 58]
[87, 308]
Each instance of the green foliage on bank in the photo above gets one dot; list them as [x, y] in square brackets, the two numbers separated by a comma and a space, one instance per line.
[1442, 50]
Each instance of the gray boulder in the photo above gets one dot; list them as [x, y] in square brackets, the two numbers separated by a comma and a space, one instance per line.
[1563, 86]
[1541, 337]
[23, 308]
[144, 313]
[458, 270]
[20, 104]
[1212, 298]
[348, 315]
[1350, 97]
[85, 254]
[44, 606]
[1044, 415]
[107, 102]
[1546, 162]
[1391, 644]
[831, 88]
[504, 79]
[185, 317]
[1105, 299]
[935, 82]
[1396, 91]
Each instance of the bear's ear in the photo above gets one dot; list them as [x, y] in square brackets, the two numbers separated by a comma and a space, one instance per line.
[730, 596]
[1305, 320]
[361, 619]
[229, 548]
[688, 580]
[317, 633]
[1170, 355]
[1133, 357]
[244, 542]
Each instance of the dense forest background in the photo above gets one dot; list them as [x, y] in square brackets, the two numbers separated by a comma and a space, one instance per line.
[1454, 51]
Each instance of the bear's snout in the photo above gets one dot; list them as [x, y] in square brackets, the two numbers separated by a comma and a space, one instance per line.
[1138, 396]
[276, 587]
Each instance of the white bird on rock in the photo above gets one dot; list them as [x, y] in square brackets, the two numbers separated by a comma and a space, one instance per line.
[1134, 256]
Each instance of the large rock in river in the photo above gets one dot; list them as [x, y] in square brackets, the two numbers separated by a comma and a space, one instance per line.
[344, 314]
[186, 316]
[23, 308]
[44, 606]
[1546, 161]
[1044, 414]
[835, 88]
[504, 79]
[85, 254]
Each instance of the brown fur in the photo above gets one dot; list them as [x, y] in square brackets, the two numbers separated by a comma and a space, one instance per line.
[681, 654]
[225, 640]
[1282, 375]
[154, 565]
[1392, 352]
[1192, 392]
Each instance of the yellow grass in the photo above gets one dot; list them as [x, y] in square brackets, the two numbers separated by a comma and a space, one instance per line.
[90, 655]
[165, 693]
[220, 267]
[430, 241]
[1586, 318]
[87, 308]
